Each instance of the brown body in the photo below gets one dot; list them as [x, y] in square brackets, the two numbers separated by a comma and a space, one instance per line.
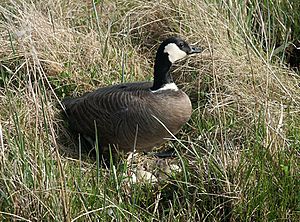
[121, 112]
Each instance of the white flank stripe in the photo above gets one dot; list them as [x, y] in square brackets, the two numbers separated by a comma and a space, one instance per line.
[175, 53]
[169, 86]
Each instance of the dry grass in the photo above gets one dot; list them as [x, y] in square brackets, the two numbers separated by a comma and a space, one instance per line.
[245, 110]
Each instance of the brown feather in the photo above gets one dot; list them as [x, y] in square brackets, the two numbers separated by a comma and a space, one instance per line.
[118, 110]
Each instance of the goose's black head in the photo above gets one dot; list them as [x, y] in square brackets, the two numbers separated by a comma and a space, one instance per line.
[174, 49]
[170, 51]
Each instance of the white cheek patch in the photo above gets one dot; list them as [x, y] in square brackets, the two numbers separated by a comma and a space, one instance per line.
[175, 53]
[168, 86]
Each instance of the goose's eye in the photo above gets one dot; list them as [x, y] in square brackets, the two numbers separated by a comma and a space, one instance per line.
[181, 45]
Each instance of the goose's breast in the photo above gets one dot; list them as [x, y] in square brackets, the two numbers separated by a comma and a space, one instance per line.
[175, 110]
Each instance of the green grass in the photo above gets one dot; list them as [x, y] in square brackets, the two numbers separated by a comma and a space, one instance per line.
[239, 154]
[274, 24]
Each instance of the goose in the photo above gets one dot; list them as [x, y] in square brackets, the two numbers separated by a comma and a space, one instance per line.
[137, 115]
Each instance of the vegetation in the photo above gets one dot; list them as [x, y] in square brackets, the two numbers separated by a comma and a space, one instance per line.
[273, 24]
[239, 153]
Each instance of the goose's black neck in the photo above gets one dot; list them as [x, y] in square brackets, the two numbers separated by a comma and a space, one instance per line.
[162, 67]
